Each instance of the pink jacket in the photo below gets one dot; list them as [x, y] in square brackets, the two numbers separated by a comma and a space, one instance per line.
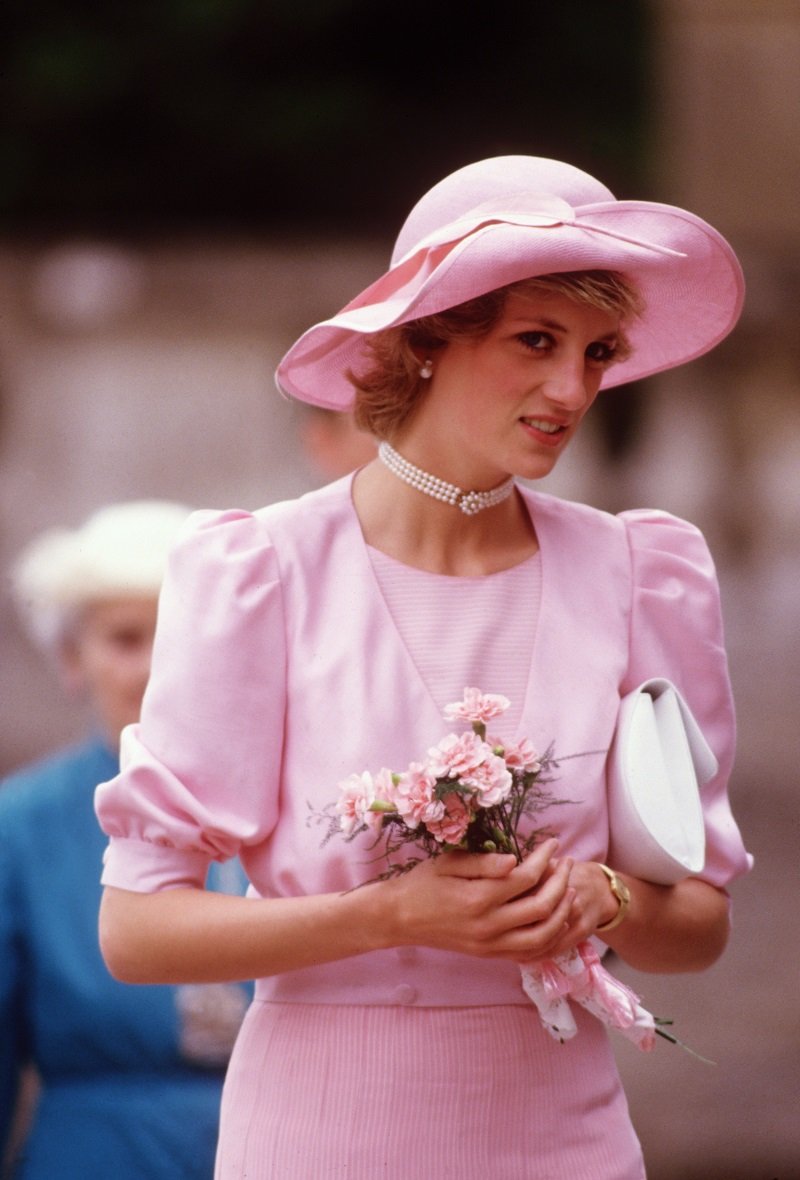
[278, 671]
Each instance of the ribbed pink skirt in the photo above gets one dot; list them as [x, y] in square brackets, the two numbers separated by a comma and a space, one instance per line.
[318, 1090]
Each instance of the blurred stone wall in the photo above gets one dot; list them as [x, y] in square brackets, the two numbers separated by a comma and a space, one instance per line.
[726, 108]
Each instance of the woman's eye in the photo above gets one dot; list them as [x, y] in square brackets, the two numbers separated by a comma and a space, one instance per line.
[536, 341]
[601, 352]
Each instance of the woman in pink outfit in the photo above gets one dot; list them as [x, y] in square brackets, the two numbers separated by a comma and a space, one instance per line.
[390, 1035]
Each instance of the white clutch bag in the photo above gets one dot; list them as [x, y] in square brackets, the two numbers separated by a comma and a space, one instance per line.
[659, 760]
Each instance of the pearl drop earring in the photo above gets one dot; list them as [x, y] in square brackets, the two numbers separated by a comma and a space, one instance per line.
[426, 372]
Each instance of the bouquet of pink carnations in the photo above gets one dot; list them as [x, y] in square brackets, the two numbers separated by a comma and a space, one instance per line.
[467, 793]
[470, 792]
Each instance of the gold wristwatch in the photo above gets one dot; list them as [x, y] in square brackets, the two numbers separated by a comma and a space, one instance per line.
[622, 894]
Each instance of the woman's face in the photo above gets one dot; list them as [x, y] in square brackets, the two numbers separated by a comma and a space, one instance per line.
[509, 403]
[108, 657]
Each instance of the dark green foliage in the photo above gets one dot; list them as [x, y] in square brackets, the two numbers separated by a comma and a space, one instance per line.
[240, 113]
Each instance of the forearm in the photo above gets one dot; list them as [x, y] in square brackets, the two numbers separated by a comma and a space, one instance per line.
[194, 936]
[671, 928]
[481, 904]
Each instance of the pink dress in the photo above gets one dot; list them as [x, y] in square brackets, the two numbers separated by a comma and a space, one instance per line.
[279, 670]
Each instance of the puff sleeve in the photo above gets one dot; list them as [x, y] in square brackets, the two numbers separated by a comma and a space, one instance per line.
[200, 774]
[677, 633]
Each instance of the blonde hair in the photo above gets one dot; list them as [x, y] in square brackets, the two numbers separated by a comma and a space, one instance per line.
[388, 390]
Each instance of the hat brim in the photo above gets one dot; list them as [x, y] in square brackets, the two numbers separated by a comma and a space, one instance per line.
[687, 274]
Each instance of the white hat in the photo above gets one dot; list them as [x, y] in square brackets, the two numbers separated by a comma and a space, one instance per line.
[120, 550]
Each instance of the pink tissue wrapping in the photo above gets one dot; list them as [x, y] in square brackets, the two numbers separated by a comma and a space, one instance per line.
[580, 975]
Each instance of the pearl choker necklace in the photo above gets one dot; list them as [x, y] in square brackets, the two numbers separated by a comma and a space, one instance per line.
[439, 489]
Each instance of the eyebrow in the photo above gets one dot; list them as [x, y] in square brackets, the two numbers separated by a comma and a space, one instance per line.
[554, 325]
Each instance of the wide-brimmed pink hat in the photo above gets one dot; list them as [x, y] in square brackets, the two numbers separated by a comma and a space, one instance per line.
[513, 217]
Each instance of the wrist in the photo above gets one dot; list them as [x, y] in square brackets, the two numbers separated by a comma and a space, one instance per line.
[378, 914]
[621, 895]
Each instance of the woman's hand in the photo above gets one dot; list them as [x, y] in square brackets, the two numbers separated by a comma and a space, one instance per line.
[483, 904]
[682, 927]
[593, 903]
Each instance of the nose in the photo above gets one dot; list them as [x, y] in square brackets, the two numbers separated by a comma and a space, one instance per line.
[568, 383]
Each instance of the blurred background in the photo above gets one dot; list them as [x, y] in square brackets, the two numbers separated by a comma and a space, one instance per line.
[188, 184]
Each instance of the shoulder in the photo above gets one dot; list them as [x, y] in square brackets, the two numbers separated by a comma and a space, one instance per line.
[250, 538]
[577, 534]
[666, 548]
[571, 516]
[317, 512]
[638, 531]
[652, 527]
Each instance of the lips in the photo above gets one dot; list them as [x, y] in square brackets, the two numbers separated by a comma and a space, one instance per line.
[545, 430]
[545, 425]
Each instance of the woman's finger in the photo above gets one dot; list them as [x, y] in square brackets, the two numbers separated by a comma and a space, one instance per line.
[537, 941]
[474, 865]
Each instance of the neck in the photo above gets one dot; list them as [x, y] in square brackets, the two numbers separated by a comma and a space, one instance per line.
[429, 534]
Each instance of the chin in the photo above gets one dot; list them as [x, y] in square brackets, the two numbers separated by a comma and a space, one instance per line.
[533, 469]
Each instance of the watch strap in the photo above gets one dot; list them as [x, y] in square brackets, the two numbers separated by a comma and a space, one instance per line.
[621, 893]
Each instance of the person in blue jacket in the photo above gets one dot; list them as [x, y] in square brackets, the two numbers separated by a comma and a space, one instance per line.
[97, 1078]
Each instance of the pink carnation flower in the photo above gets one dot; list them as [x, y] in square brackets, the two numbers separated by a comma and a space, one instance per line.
[522, 756]
[385, 791]
[457, 755]
[456, 817]
[476, 706]
[358, 792]
[492, 780]
[414, 796]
